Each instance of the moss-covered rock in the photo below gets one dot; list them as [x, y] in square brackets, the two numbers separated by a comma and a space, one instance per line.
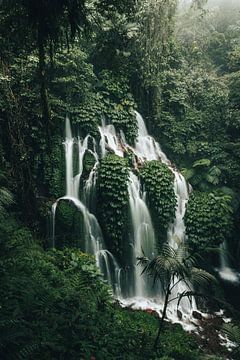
[208, 219]
[158, 182]
[113, 200]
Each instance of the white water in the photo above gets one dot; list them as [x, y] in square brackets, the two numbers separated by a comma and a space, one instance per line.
[93, 239]
[146, 148]
[109, 140]
[142, 237]
[225, 271]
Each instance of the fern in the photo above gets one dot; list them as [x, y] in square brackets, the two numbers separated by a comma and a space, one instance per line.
[202, 162]
[28, 350]
[233, 333]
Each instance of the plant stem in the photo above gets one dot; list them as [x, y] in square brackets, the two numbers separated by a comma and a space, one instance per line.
[161, 320]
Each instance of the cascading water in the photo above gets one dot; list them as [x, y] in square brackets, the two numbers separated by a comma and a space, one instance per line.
[146, 148]
[225, 270]
[93, 239]
[109, 140]
[176, 235]
[142, 237]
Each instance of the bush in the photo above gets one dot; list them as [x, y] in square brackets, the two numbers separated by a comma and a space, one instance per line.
[175, 344]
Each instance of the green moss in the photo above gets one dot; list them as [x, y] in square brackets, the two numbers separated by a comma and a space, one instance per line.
[113, 200]
[208, 219]
[88, 162]
[158, 182]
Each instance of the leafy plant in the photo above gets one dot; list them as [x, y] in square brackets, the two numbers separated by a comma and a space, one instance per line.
[208, 219]
[202, 174]
[171, 267]
[113, 200]
[158, 182]
[233, 333]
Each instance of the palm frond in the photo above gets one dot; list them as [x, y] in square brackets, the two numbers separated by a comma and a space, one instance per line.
[201, 277]
[190, 295]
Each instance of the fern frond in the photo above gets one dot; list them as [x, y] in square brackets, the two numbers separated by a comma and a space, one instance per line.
[233, 333]
[201, 277]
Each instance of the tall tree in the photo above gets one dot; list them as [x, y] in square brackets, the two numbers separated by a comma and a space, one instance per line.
[44, 23]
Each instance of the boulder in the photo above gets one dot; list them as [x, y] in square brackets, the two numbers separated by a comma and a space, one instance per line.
[197, 315]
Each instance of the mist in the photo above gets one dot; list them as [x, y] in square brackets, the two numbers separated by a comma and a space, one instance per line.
[212, 3]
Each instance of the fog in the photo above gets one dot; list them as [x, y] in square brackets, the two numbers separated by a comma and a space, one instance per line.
[213, 3]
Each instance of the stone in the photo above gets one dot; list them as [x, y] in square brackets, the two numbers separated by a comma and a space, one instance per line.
[179, 314]
[197, 315]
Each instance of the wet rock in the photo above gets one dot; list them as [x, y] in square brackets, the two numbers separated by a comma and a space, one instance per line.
[179, 314]
[197, 315]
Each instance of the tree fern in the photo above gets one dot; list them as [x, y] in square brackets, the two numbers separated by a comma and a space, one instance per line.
[171, 267]
[6, 199]
[233, 333]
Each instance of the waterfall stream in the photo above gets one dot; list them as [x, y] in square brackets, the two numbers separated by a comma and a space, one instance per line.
[142, 236]
[93, 238]
[225, 271]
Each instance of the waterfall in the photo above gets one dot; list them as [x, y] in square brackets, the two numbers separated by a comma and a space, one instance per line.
[143, 234]
[225, 271]
[93, 238]
[109, 140]
[82, 193]
[176, 235]
[146, 148]
[69, 142]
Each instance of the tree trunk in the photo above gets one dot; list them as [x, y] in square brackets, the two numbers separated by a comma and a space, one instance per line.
[161, 321]
[43, 82]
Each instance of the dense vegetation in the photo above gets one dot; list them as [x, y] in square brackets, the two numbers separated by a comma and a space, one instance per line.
[208, 220]
[94, 60]
[158, 182]
[113, 200]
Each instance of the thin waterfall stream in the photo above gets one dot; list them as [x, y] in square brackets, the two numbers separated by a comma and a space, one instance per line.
[82, 194]
[225, 271]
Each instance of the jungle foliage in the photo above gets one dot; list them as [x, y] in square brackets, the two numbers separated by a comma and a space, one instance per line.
[113, 200]
[101, 59]
[54, 304]
[158, 182]
[208, 220]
